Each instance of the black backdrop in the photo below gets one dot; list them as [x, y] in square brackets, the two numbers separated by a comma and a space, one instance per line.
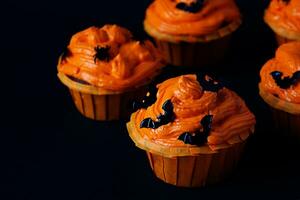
[49, 151]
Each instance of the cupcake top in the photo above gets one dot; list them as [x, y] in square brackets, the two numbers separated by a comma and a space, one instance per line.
[192, 113]
[109, 58]
[283, 16]
[280, 75]
[192, 18]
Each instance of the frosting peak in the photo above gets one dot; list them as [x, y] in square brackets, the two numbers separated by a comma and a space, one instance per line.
[191, 103]
[188, 88]
[109, 58]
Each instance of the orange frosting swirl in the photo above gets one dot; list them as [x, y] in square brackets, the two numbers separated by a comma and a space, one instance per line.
[163, 16]
[284, 15]
[130, 63]
[287, 61]
[231, 117]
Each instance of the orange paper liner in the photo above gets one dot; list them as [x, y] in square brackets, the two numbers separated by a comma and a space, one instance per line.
[196, 171]
[105, 107]
[194, 54]
[286, 115]
[193, 51]
[98, 104]
[286, 123]
[188, 166]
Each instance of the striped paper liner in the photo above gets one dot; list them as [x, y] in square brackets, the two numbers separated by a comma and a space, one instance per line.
[194, 54]
[193, 51]
[286, 115]
[189, 166]
[286, 123]
[104, 107]
[196, 171]
[98, 104]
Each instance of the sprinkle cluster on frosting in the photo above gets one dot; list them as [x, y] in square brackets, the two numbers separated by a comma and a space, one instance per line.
[201, 116]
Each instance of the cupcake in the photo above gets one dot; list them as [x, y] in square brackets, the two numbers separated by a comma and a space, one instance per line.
[193, 131]
[283, 17]
[104, 69]
[280, 88]
[192, 32]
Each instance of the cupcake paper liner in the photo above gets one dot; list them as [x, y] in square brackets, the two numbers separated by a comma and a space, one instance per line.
[98, 104]
[286, 115]
[189, 166]
[194, 54]
[193, 51]
[286, 123]
[196, 171]
[103, 107]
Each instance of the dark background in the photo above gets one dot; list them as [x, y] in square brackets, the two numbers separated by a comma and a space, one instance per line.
[49, 151]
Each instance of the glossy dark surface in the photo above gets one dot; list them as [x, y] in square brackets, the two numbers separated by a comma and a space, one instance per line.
[49, 151]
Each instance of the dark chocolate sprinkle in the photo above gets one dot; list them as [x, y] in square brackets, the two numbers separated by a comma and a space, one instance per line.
[193, 7]
[285, 82]
[162, 119]
[199, 137]
[102, 53]
[209, 85]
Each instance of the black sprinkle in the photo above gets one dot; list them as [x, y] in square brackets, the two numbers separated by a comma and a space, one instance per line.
[162, 119]
[168, 106]
[102, 53]
[209, 85]
[286, 1]
[199, 137]
[194, 7]
[187, 138]
[206, 122]
[147, 100]
[148, 123]
[285, 82]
